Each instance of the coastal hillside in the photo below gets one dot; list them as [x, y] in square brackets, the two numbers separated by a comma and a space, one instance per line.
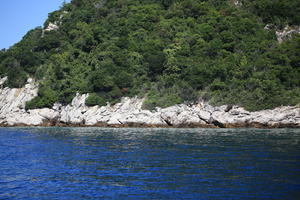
[244, 53]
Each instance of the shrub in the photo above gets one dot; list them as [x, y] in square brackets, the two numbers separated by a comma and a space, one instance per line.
[46, 98]
[94, 99]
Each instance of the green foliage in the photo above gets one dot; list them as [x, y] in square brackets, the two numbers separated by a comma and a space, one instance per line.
[161, 95]
[101, 82]
[169, 51]
[94, 99]
[155, 99]
[276, 12]
[12, 66]
[46, 98]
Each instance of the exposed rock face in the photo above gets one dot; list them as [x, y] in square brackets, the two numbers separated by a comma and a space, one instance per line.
[238, 3]
[55, 25]
[12, 105]
[129, 112]
[52, 26]
[287, 33]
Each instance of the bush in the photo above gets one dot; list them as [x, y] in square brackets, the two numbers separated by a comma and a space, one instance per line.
[46, 98]
[94, 99]
[162, 97]
[16, 79]
[161, 100]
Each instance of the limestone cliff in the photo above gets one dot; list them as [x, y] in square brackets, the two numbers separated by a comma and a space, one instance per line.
[129, 112]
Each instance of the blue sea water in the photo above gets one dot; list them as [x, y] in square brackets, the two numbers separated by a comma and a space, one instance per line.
[107, 163]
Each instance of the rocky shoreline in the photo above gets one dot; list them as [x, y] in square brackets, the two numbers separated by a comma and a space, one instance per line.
[129, 113]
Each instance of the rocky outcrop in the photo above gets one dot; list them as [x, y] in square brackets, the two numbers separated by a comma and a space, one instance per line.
[52, 26]
[287, 33]
[12, 105]
[55, 25]
[129, 112]
[284, 34]
[237, 3]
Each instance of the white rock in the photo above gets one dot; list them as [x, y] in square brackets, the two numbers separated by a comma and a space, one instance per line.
[45, 113]
[12, 104]
[51, 27]
[2, 80]
[287, 33]
[129, 111]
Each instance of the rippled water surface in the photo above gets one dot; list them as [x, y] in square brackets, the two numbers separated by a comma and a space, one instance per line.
[103, 163]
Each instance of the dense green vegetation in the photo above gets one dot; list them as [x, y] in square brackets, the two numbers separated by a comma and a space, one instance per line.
[277, 12]
[170, 51]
